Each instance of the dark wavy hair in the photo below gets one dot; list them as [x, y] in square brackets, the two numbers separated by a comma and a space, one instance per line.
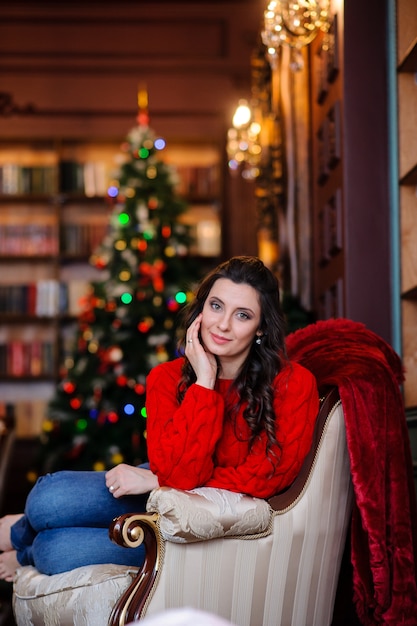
[265, 360]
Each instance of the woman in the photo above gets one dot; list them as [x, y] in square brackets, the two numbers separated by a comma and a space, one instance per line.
[233, 413]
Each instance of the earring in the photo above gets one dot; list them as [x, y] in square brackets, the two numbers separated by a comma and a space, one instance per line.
[258, 340]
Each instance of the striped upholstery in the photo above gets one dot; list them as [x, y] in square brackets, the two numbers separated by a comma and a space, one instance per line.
[287, 578]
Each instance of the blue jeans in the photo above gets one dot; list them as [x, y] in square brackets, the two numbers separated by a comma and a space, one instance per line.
[66, 521]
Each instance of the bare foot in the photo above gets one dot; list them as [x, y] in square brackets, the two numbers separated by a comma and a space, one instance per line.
[8, 565]
[6, 523]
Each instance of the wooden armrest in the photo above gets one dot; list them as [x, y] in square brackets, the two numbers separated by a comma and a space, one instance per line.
[130, 531]
[329, 399]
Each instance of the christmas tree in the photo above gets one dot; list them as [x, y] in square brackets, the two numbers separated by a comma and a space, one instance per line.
[97, 417]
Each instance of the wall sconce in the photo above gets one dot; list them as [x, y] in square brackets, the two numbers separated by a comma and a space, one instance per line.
[294, 24]
[243, 142]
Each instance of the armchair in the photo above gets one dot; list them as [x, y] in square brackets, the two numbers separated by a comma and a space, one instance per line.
[282, 568]
[252, 561]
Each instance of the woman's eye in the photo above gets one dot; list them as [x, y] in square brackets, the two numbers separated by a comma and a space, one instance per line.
[215, 305]
[243, 315]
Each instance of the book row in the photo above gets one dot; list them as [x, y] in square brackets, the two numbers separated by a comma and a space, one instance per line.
[45, 298]
[82, 239]
[17, 179]
[21, 358]
[28, 239]
[92, 179]
[41, 239]
[89, 179]
[198, 181]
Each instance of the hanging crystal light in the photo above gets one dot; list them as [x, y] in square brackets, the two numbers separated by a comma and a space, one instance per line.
[294, 24]
[243, 142]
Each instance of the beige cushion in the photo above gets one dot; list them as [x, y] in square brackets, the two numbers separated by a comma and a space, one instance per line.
[208, 513]
[82, 597]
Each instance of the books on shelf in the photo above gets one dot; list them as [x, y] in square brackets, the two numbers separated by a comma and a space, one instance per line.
[81, 239]
[198, 181]
[18, 179]
[89, 178]
[28, 239]
[40, 239]
[20, 358]
[70, 176]
[45, 298]
[39, 299]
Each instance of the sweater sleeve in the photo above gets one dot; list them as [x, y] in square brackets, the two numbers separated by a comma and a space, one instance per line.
[296, 406]
[181, 438]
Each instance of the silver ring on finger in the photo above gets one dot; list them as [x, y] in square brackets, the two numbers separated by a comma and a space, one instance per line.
[111, 488]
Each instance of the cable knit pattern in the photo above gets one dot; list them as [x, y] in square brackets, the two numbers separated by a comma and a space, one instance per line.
[198, 443]
[208, 513]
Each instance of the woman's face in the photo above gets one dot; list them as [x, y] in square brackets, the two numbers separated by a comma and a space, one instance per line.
[231, 318]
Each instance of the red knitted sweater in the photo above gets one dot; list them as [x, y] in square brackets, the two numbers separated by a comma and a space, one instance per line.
[199, 443]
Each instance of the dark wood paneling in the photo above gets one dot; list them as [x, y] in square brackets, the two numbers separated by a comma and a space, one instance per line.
[80, 64]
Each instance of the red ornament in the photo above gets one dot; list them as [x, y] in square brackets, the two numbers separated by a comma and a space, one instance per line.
[143, 118]
[172, 305]
[112, 417]
[68, 387]
[75, 403]
[144, 326]
[158, 284]
[140, 389]
[121, 381]
[100, 263]
[154, 272]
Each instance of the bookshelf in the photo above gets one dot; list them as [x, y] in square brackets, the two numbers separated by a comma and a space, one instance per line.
[198, 169]
[328, 174]
[407, 124]
[53, 214]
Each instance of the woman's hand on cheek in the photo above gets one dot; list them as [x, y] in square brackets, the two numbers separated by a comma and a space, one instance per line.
[203, 363]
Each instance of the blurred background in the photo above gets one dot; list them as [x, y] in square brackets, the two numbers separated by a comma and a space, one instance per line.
[289, 132]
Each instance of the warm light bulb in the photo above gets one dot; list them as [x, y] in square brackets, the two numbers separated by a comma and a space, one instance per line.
[242, 114]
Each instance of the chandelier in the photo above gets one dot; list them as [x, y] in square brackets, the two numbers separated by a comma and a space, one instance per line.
[294, 24]
[243, 142]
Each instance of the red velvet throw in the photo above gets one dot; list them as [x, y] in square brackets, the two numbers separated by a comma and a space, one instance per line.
[368, 374]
